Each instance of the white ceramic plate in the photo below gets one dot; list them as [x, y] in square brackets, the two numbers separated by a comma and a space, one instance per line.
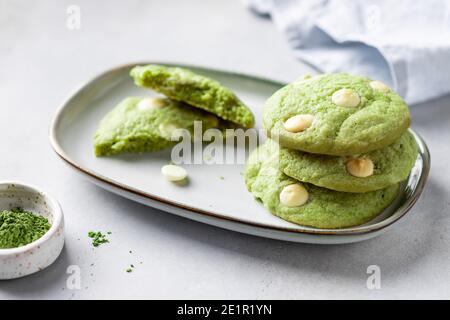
[208, 198]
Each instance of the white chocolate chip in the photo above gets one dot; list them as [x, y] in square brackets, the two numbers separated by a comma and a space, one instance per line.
[168, 131]
[293, 195]
[151, 103]
[298, 123]
[346, 98]
[360, 167]
[173, 172]
[379, 86]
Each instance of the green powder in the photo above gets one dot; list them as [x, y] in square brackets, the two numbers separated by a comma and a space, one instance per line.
[98, 238]
[19, 227]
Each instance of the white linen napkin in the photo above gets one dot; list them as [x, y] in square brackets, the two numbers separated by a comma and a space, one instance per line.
[404, 43]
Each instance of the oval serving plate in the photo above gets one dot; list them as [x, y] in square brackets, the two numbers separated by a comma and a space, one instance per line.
[215, 194]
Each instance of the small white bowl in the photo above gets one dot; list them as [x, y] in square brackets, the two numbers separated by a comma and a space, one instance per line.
[35, 256]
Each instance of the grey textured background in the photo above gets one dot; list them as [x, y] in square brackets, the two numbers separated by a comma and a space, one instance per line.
[41, 62]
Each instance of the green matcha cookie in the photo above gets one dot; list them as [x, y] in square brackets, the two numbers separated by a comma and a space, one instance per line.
[366, 172]
[199, 91]
[336, 114]
[306, 204]
[146, 124]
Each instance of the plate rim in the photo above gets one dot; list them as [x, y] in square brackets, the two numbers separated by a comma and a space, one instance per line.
[356, 230]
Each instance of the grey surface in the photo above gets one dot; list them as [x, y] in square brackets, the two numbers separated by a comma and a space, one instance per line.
[41, 62]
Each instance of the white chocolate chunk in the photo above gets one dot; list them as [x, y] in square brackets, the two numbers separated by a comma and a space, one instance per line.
[379, 86]
[346, 98]
[293, 195]
[173, 172]
[298, 123]
[151, 103]
[360, 167]
[169, 131]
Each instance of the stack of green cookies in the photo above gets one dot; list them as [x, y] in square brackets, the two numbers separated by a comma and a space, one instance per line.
[144, 124]
[338, 148]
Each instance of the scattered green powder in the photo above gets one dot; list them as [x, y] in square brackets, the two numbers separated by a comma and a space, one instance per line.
[130, 269]
[19, 227]
[98, 238]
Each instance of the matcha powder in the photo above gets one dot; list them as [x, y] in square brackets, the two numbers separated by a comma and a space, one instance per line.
[19, 227]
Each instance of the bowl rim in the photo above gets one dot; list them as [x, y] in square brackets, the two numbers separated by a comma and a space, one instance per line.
[400, 212]
[56, 212]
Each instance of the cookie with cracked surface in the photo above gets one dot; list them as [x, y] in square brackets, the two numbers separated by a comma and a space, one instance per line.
[307, 204]
[138, 125]
[199, 91]
[362, 173]
[336, 114]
